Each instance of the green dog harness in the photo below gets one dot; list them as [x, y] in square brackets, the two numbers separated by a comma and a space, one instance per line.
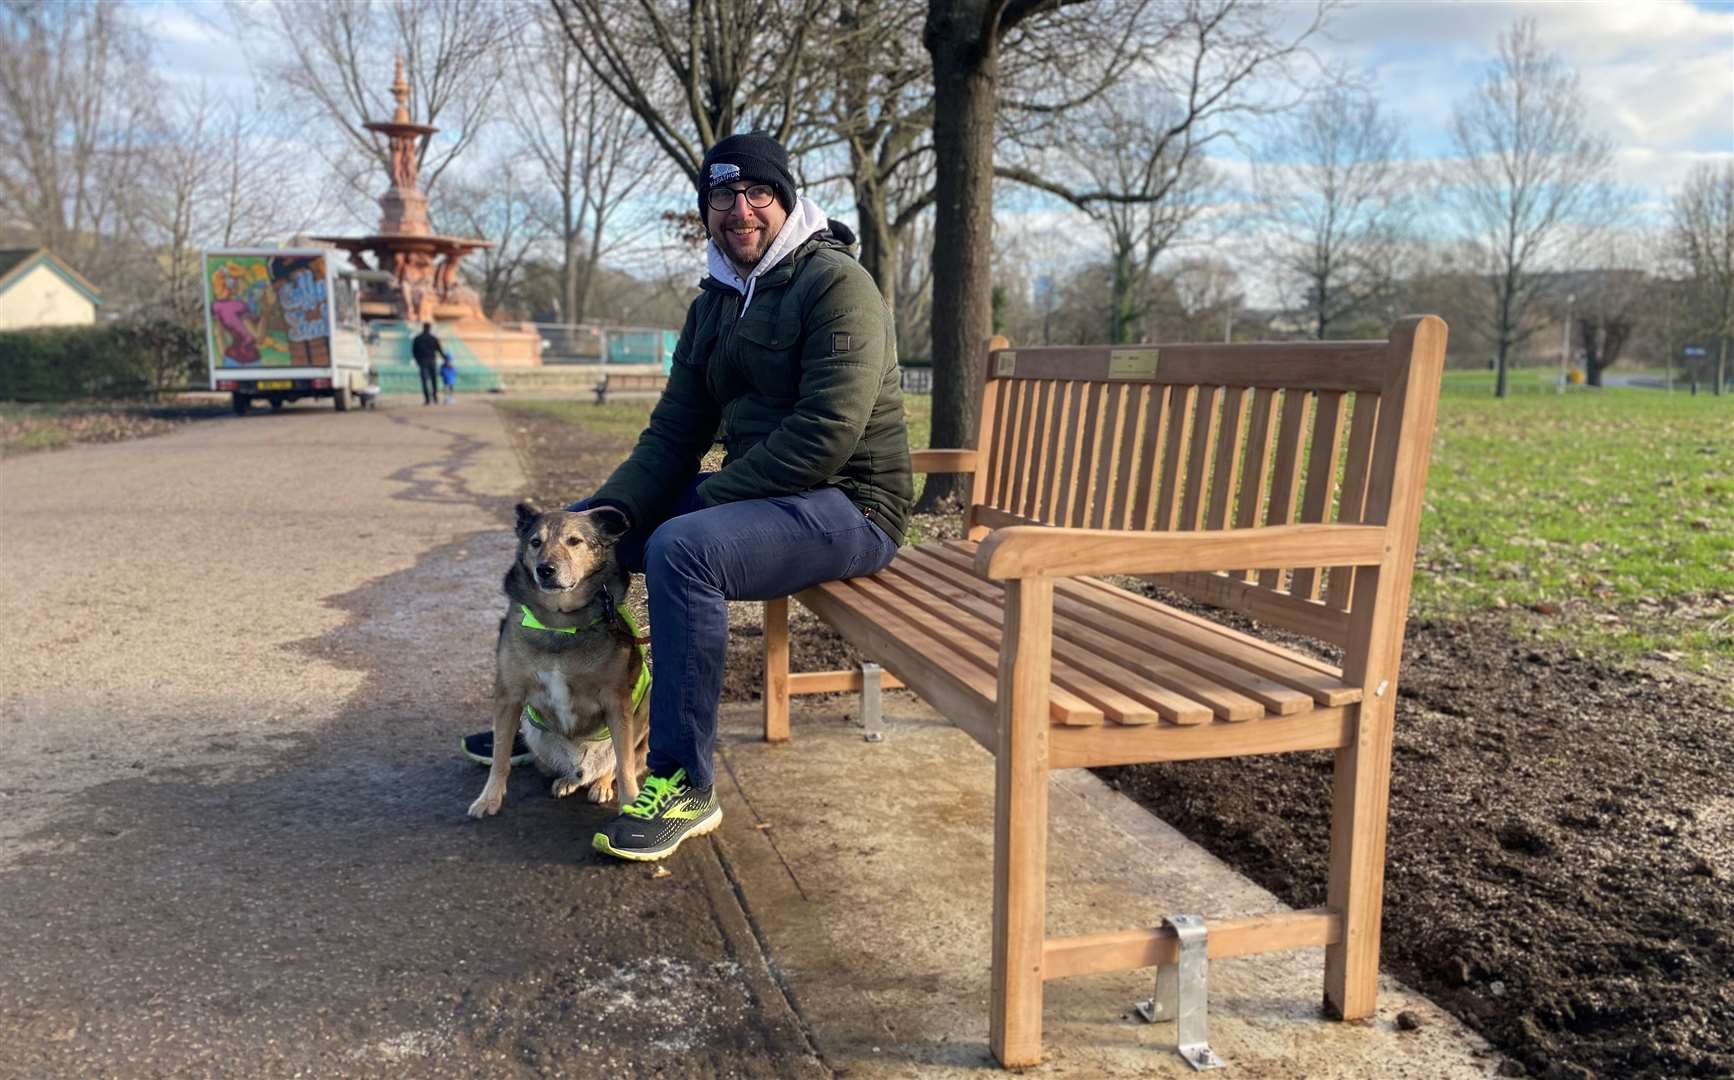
[639, 640]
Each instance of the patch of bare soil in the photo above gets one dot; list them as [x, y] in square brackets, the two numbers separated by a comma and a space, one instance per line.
[1560, 867]
[1561, 845]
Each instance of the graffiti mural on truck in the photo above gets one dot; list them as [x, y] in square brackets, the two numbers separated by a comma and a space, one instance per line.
[269, 310]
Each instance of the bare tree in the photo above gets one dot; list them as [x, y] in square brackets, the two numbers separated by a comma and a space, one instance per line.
[1703, 240]
[913, 313]
[697, 72]
[338, 65]
[592, 154]
[1150, 183]
[1529, 169]
[1132, 158]
[881, 108]
[76, 98]
[1209, 294]
[212, 179]
[1336, 200]
[501, 210]
[1199, 55]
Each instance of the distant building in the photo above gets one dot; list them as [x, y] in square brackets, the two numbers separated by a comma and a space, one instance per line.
[38, 289]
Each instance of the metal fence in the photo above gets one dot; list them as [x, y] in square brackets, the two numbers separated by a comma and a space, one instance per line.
[599, 343]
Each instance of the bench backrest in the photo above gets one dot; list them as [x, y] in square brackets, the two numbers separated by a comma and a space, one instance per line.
[1165, 437]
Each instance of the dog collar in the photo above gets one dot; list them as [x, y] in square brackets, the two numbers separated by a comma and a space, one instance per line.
[534, 623]
[639, 638]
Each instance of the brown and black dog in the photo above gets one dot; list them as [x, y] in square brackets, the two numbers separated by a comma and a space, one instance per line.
[566, 651]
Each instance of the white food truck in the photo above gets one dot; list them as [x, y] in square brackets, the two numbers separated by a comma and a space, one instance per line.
[283, 324]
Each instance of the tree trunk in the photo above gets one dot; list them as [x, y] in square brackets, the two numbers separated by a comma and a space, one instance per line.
[1721, 366]
[1124, 311]
[878, 242]
[1593, 360]
[1504, 347]
[961, 39]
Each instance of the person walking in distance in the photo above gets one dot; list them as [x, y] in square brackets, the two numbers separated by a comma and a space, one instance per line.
[427, 350]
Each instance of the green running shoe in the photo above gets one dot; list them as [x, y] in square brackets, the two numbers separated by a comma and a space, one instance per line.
[667, 811]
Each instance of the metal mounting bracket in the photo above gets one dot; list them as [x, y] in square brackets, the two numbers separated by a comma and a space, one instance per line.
[872, 712]
[1181, 993]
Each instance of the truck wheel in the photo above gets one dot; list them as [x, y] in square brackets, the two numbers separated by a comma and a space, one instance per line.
[241, 403]
[341, 398]
[277, 404]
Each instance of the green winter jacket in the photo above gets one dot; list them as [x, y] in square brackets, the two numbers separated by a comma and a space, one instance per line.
[802, 390]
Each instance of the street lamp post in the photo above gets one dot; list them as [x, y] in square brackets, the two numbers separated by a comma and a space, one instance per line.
[1565, 343]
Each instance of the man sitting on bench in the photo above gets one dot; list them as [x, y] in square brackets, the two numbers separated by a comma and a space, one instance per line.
[790, 348]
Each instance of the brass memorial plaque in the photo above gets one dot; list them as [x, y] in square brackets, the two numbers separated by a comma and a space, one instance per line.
[1007, 364]
[1132, 363]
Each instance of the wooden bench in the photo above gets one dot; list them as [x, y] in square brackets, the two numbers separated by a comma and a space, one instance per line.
[1282, 481]
[628, 382]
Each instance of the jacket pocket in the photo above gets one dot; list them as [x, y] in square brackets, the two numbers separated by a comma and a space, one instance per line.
[768, 351]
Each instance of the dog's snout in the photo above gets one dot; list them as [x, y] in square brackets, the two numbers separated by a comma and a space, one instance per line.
[545, 571]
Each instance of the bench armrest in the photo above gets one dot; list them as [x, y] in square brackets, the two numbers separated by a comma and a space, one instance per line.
[1021, 551]
[942, 461]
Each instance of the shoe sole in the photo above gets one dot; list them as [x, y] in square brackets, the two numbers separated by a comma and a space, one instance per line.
[599, 842]
[517, 759]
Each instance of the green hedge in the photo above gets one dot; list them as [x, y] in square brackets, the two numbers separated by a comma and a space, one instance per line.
[131, 359]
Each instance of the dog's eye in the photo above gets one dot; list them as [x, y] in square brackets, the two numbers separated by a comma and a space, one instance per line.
[572, 541]
[536, 543]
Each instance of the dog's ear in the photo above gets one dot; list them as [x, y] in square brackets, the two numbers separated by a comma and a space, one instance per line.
[528, 512]
[610, 522]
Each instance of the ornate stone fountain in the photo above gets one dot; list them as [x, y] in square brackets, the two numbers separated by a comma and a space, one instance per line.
[424, 284]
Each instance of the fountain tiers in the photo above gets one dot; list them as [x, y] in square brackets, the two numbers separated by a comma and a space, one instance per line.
[425, 285]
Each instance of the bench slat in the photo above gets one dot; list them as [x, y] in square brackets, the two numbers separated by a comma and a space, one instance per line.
[1172, 622]
[961, 691]
[1316, 365]
[1255, 465]
[989, 442]
[1354, 497]
[1181, 695]
[1128, 478]
[1199, 457]
[1325, 683]
[983, 621]
[1235, 691]
[1178, 423]
[1064, 706]
[1321, 486]
[1228, 460]
[1285, 470]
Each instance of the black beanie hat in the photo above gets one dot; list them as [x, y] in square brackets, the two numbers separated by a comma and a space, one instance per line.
[753, 156]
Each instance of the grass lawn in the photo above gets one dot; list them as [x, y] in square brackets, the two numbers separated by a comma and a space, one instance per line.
[1610, 513]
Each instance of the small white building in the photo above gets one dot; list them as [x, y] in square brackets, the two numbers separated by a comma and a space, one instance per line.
[38, 289]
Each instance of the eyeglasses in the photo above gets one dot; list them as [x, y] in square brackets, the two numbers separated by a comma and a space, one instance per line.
[758, 196]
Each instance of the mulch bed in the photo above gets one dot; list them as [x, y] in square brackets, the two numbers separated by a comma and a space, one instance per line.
[26, 429]
[1561, 845]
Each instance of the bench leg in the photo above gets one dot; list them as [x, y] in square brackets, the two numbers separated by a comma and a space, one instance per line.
[1361, 788]
[1020, 834]
[776, 695]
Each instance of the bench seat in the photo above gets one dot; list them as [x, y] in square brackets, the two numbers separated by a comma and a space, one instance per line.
[1133, 679]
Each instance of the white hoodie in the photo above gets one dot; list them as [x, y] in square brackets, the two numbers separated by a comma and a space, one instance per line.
[805, 222]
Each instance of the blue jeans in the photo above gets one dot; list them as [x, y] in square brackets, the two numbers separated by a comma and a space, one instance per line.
[701, 558]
